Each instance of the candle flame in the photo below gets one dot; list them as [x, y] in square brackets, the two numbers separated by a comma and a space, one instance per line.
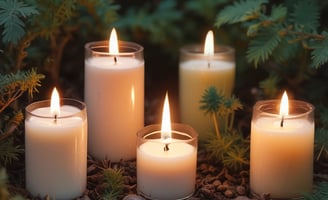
[166, 132]
[209, 44]
[113, 42]
[284, 105]
[54, 103]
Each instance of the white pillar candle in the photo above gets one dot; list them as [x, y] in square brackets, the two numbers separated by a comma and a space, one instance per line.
[281, 158]
[197, 71]
[166, 163]
[114, 94]
[56, 149]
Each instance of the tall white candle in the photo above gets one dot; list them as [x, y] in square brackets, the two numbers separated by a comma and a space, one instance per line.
[56, 149]
[197, 71]
[281, 159]
[114, 94]
[166, 161]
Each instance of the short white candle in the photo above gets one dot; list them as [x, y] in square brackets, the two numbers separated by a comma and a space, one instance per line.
[197, 72]
[170, 173]
[114, 94]
[281, 159]
[56, 150]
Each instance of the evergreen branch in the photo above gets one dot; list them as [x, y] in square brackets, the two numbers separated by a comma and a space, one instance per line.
[12, 86]
[261, 47]
[320, 192]
[11, 12]
[113, 183]
[239, 11]
[308, 22]
[320, 54]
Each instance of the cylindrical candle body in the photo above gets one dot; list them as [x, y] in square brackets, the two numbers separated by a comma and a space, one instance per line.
[56, 149]
[166, 175]
[114, 94]
[281, 158]
[196, 73]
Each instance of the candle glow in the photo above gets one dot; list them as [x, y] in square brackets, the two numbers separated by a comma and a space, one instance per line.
[284, 109]
[54, 103]
[209, 44]
[113, 42]
[166, 132]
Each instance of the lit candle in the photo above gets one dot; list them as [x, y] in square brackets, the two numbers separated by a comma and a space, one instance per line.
[56, 148]
[281, 158]
[200, 68]
[166, 159]
[114, 94]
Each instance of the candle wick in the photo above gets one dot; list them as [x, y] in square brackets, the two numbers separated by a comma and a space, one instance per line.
[208, 64]
[115, 59]
[55, 118]
[282, 121]
[166, 147]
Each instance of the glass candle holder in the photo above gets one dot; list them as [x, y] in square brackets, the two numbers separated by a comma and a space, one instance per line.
[281, 152]
[114, 94]
[166, 173]
[197, 72]
[56, 149]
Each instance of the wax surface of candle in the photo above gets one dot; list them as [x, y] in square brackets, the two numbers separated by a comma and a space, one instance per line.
[56, 154]
[166, 174]
[195, 77]
[281, 157]
[114, 94]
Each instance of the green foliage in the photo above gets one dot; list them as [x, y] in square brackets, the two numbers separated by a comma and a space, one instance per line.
[228, 146]
[12, 86]
[320, 193]
[154, 21]
[268, 28]
[11, 14]
[113, 183]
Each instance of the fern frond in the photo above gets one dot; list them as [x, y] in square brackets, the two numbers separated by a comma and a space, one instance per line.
[310, 21]
[240, 11]
[11, 12]
[262, 46]
[320, 54]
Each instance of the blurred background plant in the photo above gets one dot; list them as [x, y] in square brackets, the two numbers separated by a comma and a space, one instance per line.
[279, 45]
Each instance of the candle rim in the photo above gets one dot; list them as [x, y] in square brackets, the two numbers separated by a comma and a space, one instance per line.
[64, 102]
[96, 46]
[259, 105]
[188, 132]
[198, 50]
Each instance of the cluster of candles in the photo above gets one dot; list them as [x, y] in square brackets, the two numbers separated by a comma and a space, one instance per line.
[110, 124]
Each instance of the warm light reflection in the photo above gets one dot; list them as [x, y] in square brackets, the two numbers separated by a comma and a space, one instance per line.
[54, 103]
[132, 96]
[166, 134]
[113, 42]
[284, 105]
[209, 44]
